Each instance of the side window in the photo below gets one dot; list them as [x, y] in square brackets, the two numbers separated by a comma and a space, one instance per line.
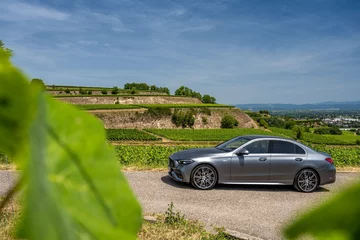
[258, 147]
[299, 150]
[282, 147]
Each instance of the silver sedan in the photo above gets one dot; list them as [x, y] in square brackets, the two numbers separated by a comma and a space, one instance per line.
[254, 159]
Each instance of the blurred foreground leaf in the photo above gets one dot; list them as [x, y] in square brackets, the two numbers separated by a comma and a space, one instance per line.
[73, 187]
[338, 218]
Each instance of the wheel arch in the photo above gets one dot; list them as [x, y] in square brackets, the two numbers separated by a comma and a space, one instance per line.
[202, 164]
[307, 167]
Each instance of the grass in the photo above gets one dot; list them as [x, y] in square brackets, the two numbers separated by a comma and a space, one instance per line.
[106, 106]
[117, 95]
[171, 226]
[129, 134]
[208, 134]
[137, 106]
[345, 139]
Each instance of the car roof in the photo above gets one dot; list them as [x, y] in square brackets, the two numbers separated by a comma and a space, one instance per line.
[252, 137]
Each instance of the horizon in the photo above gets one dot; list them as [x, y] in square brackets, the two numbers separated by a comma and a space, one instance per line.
[237, 51]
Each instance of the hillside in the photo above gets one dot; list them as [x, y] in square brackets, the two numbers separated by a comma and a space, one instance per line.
[151, 110]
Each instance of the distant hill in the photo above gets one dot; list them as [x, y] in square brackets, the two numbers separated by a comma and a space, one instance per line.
[289, 107]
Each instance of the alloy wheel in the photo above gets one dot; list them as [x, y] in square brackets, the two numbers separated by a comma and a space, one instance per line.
[204, 177]
[307, 180]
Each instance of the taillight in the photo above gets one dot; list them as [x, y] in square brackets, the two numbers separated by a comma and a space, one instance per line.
[329, 160]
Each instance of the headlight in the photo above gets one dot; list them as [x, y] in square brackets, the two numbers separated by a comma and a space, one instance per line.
[185, 162]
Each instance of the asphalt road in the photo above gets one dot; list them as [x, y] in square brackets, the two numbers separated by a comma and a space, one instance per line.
[260, 211]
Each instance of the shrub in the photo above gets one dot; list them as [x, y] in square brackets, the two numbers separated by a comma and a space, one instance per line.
[289, 124]
[115, 90]
[82, 91]
[38, 82]
[104, 91]
[298, 132]
[357, 142]
[89, 92]
[263, 123]
[358, 132]
[133, 91]
[206, 111]
[204, 120]
[328, 130]
[67, 91]
[183, 118]
[158, 112]
[229, 121]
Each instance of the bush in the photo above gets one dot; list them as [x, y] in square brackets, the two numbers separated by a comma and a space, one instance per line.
[82, 91]
[328, 130]
[158, 112]
[133, 91]
[204, 120]
[357, 142]
[115, 90]
[104, 91]
[263, 123]
[172, 217]
[298, 132]
[358, 132]
[89, 92]
[183, 118]
[229, 121]
[206, 111]
[289, 124]
[67, 91]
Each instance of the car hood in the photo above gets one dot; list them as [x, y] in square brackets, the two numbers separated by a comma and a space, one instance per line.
[196, 153]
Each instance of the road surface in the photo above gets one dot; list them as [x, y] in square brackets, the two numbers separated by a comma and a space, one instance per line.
[260, 211]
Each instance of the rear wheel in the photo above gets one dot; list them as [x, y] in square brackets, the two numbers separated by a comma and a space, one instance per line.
[306, 180]
[204, 177]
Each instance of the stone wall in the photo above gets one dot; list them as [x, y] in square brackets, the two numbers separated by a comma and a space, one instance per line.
[130, 100]
[140, 119]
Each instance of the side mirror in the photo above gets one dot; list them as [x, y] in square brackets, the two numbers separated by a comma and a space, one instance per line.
[242, 151]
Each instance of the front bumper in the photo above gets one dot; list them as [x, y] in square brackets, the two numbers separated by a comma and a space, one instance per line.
[178, 172]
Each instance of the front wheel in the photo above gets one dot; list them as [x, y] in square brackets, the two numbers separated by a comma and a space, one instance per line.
[204, 177]
[306, 180]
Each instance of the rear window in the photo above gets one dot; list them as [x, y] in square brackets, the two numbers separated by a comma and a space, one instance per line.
[299, 150]
[282, 147]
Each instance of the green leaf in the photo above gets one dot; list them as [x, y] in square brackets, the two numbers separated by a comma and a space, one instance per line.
[337, 218]
[15, 108]
[73, 187]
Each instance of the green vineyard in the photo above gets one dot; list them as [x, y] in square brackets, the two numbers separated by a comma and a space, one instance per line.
[129, 134]
[137, 106]
[208, 134]
[147, 157]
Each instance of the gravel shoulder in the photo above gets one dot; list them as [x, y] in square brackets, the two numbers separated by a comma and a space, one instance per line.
[261, 211]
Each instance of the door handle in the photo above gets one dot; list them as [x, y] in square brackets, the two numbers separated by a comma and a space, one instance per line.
[298, 159]
[263, 159]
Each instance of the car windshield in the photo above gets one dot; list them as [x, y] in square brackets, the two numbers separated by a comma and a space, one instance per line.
[232, 144]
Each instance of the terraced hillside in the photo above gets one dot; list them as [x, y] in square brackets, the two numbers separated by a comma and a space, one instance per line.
[136, 99]
[142, 119]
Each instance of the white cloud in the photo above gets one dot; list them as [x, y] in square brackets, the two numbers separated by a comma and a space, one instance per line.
[24, 11]
[88, 42]
[177, 12]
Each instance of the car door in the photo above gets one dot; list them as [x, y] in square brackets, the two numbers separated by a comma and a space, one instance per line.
[254, 167]
[287, 159]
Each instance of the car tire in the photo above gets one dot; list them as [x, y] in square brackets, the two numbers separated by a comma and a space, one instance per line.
[307, 180]
[204, 177]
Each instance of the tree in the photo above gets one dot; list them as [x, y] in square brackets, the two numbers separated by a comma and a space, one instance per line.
[8, 51]
[208, 99]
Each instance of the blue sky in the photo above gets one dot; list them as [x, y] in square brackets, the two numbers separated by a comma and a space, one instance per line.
[240, 51]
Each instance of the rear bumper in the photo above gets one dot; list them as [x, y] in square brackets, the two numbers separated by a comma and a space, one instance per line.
[327, 175]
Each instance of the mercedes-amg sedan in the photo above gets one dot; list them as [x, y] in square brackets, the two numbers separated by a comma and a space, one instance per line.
[254, 159]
